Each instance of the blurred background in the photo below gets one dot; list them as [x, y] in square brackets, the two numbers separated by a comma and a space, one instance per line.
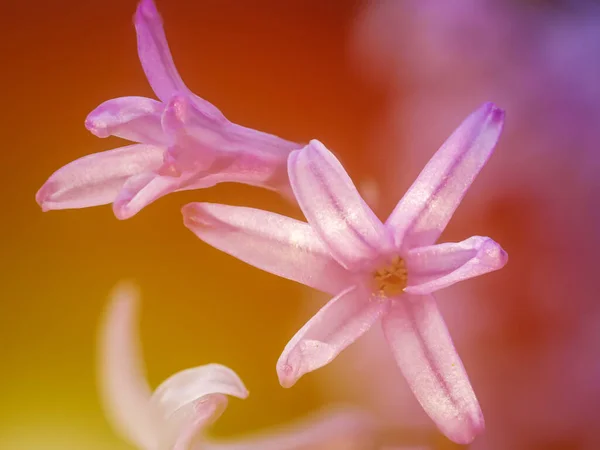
[382, 84]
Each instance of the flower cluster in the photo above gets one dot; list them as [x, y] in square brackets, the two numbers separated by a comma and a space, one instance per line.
[376, 271]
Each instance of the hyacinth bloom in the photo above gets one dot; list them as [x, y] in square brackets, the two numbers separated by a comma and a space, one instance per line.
[182, 142]
[377, 271]
[177, 413]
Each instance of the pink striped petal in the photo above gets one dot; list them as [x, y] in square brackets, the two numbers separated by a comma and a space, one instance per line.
[97, 179]
[193, 399]
[327, 430]
[334, 208]
[141, 190]
[438, 266]
[337, 325]
[124, 391]
[278, 244]
[425, 210]
[133, 118]
[157, 61]
[421, 344]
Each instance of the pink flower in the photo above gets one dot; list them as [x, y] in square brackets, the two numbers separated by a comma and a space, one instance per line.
[183, 142]
[176, 415]
[377, 271]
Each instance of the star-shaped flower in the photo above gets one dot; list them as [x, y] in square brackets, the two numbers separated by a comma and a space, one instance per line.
[183, 142]
[176, 415]
[377, 271]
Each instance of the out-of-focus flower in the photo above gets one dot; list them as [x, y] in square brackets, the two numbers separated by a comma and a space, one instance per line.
[184, 142]
[177, 413]
[376, 270]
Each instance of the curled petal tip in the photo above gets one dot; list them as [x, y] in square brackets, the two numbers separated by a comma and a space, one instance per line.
[287, 375]
[95, 126]
[121, 210]
[466, 432]
[147, 10]
[492, 254]
[192, 215]
[495, 113]
[196, 387]
[121, 213]
[43, 195]
[198, 215]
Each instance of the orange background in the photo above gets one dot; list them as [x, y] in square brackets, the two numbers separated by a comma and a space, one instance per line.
[281, 67]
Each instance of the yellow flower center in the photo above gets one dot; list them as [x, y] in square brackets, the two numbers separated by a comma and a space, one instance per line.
[392, 279]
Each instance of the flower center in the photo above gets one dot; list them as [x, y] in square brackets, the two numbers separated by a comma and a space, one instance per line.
[391, 280]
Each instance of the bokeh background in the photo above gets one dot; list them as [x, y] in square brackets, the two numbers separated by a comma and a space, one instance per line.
[381, 84]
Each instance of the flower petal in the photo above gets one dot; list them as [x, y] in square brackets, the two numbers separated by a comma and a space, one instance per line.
[186, 152]
[421, 344]
[96, 179]
[157, 61]
[124, 391]
[327, 430]
[278, 244]
[244, 155]
[438, 266]
[133, 118]
[334, 208]
[192, 399]
[337, 325]
[425, 210]
[141, 190]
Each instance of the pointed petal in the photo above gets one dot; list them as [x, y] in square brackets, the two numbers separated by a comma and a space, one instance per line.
[157, 61]
[277, 244]
[244, 155]
[123, 388]
[327, 430]
[141, 190]
[425, 210]
[192, 399]
[337, 325]
[334, 208]
[133, 118]
[438, 266]
[421, 344]
[96, 179]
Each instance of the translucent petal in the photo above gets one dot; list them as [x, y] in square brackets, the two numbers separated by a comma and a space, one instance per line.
[124, 391]
[278, 244]
[337, 325]
[421, 344]
[133, 118]
[438, 266]
[192, 399]
[157, 61]
[425, 210]
[180, 408]
[96, 179]
[187, 153]
[334, 208]
[222, 150]
[141, 190]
